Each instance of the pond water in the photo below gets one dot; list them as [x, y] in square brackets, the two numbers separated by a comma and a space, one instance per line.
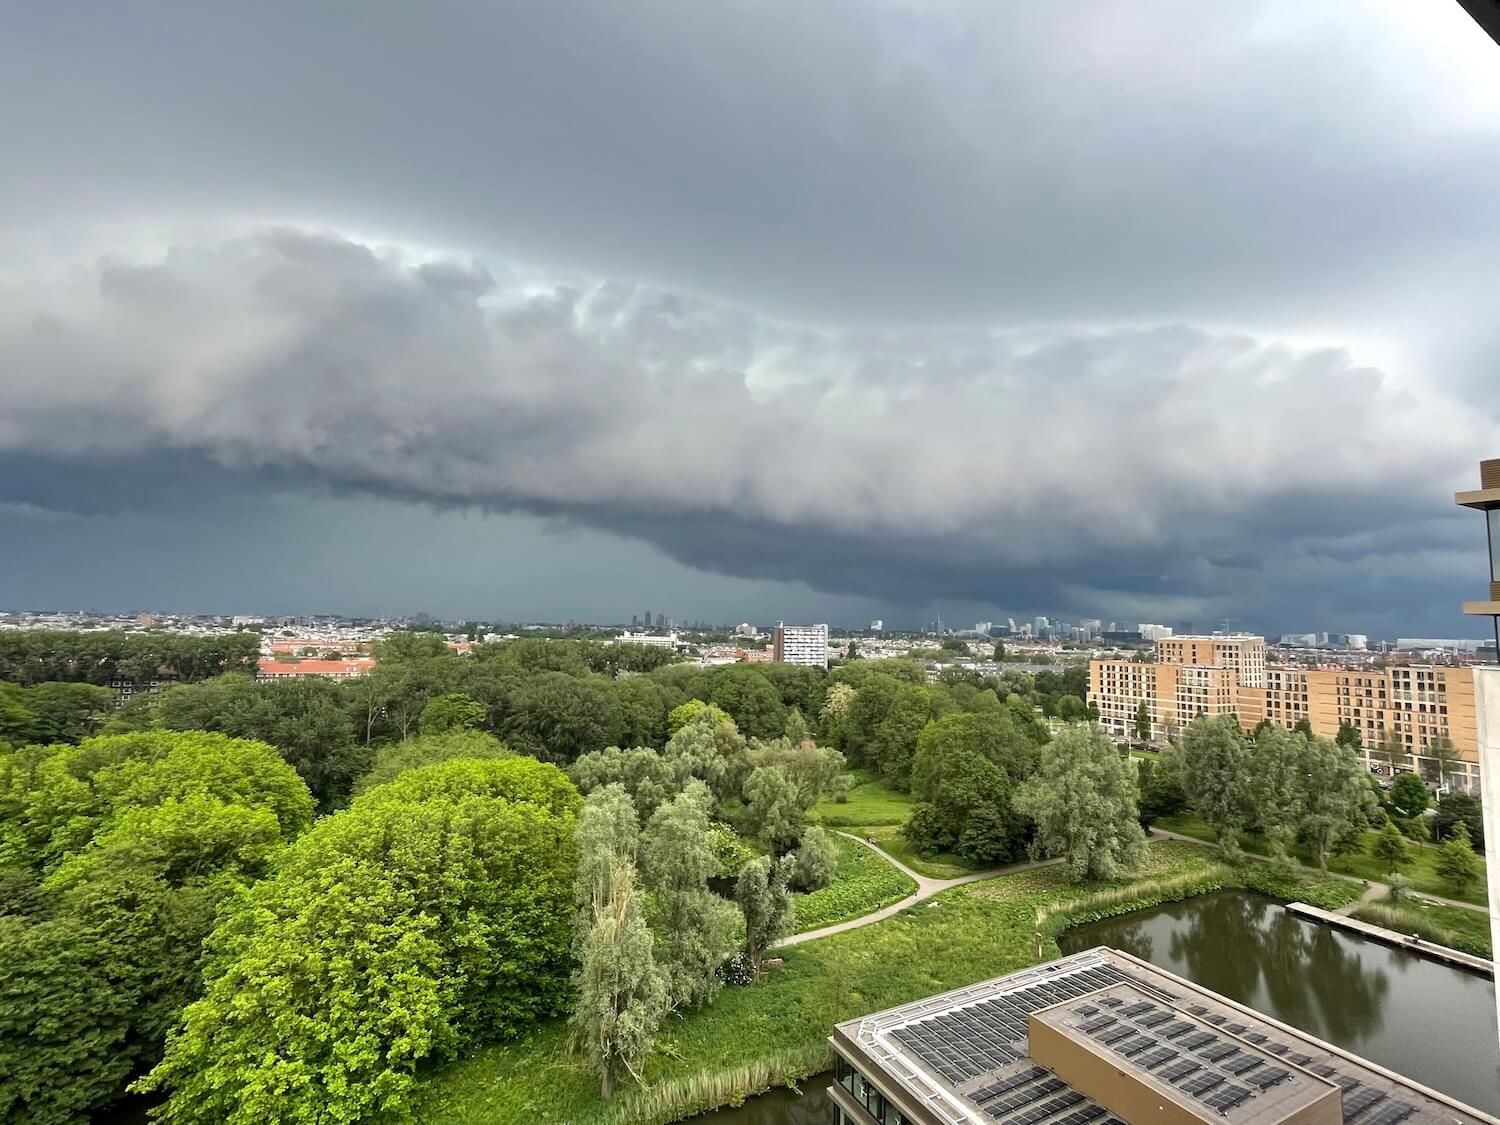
[1423, 1019]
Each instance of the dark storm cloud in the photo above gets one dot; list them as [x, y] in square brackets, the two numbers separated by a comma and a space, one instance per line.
[1172, 465]
[1081, 158]
[1155, 306]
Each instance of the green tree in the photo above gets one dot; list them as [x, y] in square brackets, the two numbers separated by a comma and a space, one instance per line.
[1457, 806]
[1409, 796]
[649, 776]
[1142, 722]
[64, 712]
[1336, 800]
[1070, 708]
[795, 730]
[1303, 726]
[1217, 775]
[1159, 791]
[693, 710]
[1348, 736]
[306, 719]
[557, 717]
[712, 750]
[621, 993]
[1457, 864]
[432, 913]
[451, 711]
[747, 695]
[773, 812]
[696, 926]
[817, 860]
[834, 713]
[765, 901]
[396, 758]
[999, 653]
[1391, 849]
[127, 844]
[964, 777]
[1278, 784]
[1083, 800]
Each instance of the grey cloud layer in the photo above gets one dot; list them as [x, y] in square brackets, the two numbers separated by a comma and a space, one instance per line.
[902, 464]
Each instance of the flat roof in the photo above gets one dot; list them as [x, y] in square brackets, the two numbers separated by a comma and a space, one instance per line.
[963, 1058]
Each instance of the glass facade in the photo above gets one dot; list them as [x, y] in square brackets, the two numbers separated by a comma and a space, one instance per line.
[859, 1087]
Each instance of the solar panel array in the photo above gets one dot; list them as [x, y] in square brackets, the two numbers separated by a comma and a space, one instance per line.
[963, 1044]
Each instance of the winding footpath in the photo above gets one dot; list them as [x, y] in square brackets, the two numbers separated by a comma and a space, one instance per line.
[926, 888]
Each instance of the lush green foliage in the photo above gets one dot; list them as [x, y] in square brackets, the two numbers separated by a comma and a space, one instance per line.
[52, 712]
[1409, 795]
[776, 1031]
[1082, 799]
[43, 655]
[765, 899]
[396, 758]
[1453, 926]
[964, 777]
[452, 710]
[432, 913]
[116, 853]
[816, 859]
[1459, 806]
[1456, 862]
[696, 928]
[1217, 774]
[1391, 849]
[863, 882]
[620, 992]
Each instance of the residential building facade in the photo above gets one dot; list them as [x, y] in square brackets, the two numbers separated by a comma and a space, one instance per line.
[800, 644]
[1414, 704]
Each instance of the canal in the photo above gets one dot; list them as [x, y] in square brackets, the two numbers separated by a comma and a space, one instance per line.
[1430, 1022]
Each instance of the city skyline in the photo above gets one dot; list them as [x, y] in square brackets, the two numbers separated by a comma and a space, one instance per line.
[582, 310]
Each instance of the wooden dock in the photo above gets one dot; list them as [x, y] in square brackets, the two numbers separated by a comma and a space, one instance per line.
[1408, 942]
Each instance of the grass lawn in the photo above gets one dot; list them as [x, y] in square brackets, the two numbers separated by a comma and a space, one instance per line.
[862, 884]
[1422, 872]
[943, 865]
[774, 1032]
[871, 801]
[1453, 926]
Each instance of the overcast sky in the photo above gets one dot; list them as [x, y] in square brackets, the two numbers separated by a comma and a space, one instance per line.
[1138, 309]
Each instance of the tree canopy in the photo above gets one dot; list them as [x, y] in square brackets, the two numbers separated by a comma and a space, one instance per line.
[1083, 801]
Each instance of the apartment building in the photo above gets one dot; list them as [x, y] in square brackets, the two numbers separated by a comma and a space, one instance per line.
[800, 644]
[1228, 676]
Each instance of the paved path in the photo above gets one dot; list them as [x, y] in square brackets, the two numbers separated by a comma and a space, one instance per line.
[1376, 889]
[926, 888]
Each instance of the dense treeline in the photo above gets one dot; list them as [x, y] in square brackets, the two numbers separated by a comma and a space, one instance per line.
[114, 856]
[34, 656]
[167, 903]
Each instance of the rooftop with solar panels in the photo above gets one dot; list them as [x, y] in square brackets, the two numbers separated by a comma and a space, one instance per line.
[1103, 1038]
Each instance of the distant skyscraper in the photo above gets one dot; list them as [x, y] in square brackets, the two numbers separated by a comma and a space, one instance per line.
[877, 625]
[635, 621]
[1038, 626]
[647, 623]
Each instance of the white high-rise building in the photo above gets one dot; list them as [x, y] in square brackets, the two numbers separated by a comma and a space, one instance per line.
[800, 644]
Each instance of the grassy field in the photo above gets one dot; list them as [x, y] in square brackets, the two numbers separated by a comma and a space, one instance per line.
[871, 802]
[1422, 871]
[1453, 926]
[774, 1032]
[862, 884]
[942, 865]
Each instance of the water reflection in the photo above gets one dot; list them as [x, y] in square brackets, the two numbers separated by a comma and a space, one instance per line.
[781, 1107]
[1392, 1007]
